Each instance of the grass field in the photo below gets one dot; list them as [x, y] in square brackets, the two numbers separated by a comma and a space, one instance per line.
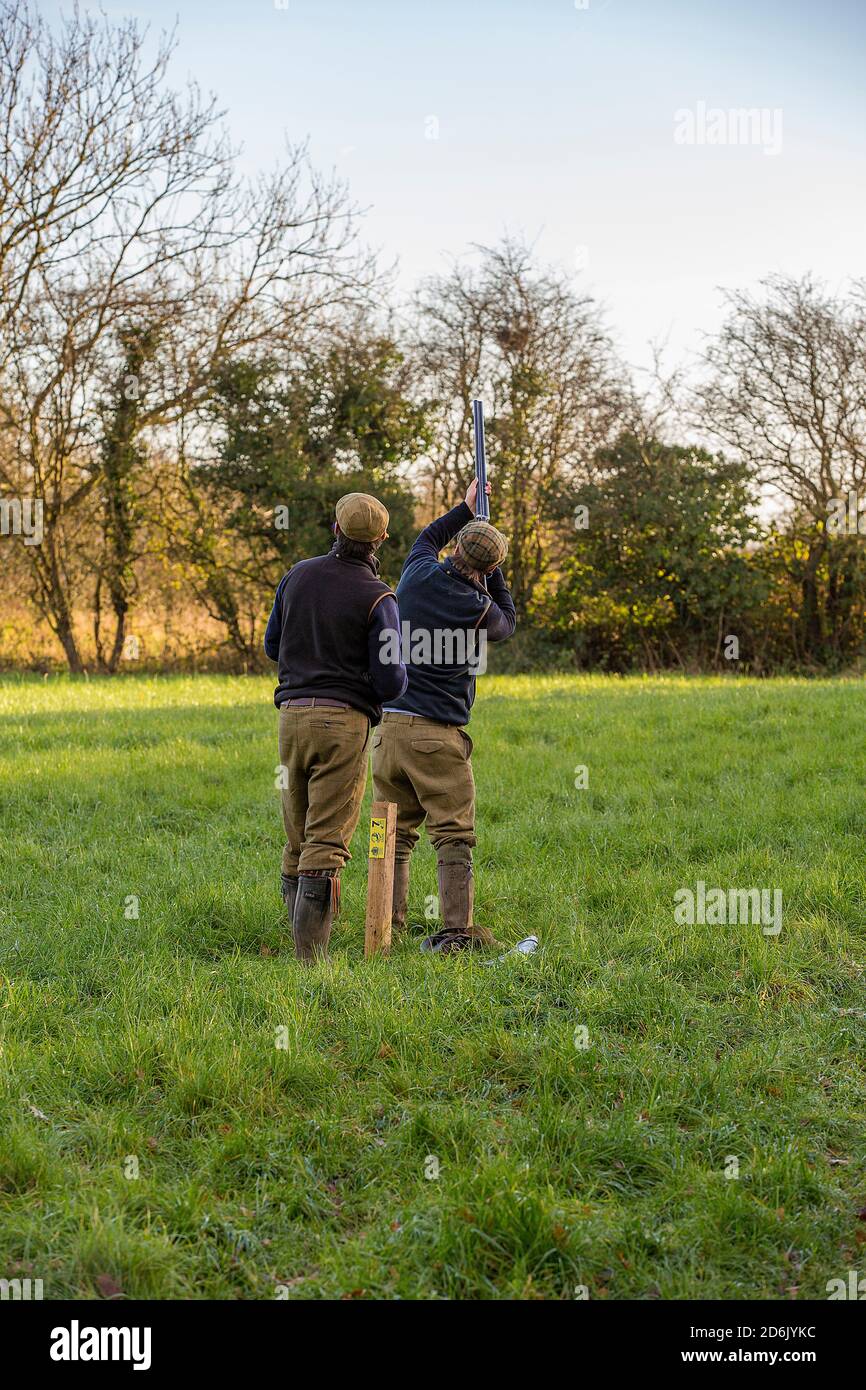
[148, 1043]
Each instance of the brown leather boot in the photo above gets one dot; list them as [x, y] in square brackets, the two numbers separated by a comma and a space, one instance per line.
[400, 898]
[289, 890]
[316, 902]
[456, 900]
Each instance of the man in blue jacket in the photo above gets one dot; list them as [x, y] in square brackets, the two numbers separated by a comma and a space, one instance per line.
[326, 631]
[449, 610]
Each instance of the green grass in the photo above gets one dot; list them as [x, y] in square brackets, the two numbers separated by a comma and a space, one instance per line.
[558, 1166]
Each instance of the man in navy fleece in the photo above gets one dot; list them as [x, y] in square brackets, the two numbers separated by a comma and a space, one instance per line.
[327, 632]
[422, 753]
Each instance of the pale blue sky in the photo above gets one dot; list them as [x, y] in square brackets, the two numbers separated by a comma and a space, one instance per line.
[558, 123]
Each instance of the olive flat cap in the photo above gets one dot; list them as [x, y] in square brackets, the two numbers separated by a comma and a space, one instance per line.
[481, 543]
[361, 517]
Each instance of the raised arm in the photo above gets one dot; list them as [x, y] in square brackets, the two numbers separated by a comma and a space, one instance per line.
[436, 536]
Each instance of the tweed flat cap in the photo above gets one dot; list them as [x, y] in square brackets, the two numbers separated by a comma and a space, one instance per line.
[481, 543]
[361, 517]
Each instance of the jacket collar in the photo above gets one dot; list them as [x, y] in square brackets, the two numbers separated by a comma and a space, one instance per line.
[370, 562]
[450, 568]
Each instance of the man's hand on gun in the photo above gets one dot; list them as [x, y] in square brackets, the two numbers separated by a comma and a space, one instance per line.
[472, 494]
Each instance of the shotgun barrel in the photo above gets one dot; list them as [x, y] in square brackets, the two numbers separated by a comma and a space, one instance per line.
[482, 501]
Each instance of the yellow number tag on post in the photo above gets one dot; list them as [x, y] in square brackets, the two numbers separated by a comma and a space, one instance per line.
[377, 837]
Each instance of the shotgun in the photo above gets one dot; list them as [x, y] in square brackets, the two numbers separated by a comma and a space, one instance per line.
[482, 501]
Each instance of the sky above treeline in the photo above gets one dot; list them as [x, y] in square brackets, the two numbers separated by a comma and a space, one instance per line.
[602, 131]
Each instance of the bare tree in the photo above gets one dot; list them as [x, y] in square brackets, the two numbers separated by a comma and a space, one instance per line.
[123, 222]
[537, 353]
[96, 153]
[786, 394]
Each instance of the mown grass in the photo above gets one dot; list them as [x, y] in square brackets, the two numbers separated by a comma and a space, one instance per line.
[308, 1166]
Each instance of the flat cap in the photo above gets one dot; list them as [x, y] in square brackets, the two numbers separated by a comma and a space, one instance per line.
[481, 543]
[361, 517]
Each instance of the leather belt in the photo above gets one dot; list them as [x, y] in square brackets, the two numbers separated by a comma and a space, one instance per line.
[416, 718]
[306, 700]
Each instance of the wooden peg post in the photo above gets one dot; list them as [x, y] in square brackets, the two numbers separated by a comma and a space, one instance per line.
[380, 878]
